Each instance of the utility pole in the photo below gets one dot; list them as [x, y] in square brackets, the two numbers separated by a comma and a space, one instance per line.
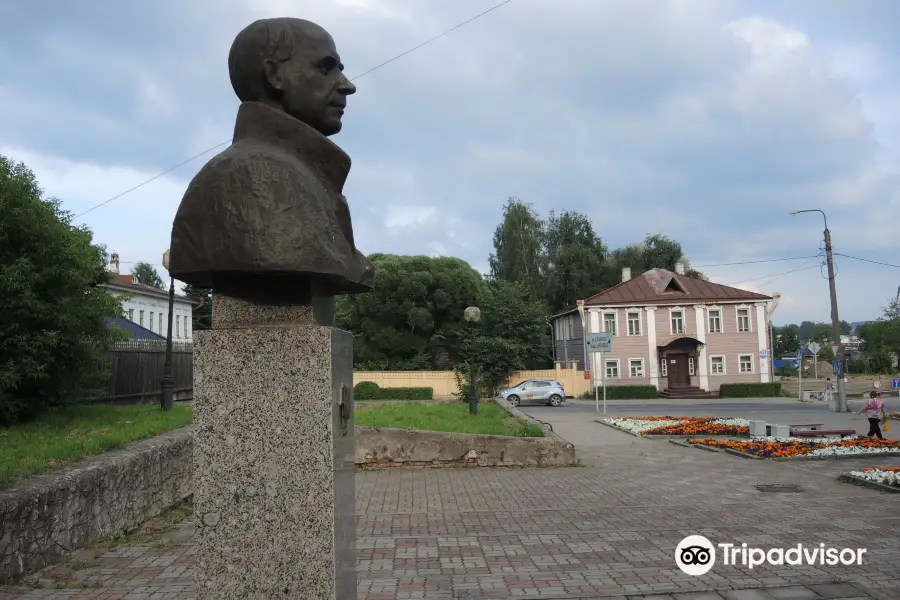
[835, 319]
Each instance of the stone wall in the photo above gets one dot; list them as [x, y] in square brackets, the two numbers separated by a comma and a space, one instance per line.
[380, 447]
[43, 517]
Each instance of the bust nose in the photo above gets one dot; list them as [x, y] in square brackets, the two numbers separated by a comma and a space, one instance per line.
[345, 86]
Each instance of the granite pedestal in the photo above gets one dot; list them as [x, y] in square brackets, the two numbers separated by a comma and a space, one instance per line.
[273, 456]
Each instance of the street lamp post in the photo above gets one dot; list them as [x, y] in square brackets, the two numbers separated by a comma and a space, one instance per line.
[835, 320]
[168, 383]
[472, 315]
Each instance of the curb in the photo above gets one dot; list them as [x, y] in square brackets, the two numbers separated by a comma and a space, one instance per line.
[698, 446]
[847, 478]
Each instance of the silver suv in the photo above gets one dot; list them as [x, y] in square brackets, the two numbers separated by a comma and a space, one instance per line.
[548, 391]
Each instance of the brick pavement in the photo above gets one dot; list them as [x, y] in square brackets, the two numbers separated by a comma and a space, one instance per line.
[606, 529]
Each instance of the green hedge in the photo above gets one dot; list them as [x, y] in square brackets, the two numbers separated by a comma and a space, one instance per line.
[369, 390]
[750, 390]
[625, 392]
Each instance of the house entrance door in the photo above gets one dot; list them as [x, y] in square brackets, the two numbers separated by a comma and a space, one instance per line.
[678, 370]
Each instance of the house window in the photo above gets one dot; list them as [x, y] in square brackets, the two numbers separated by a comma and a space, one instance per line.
[663, 368]
[677, 321]
[185, 326]
[609, 323]
[743, 319]
[151, 321]
[160, 323]
[717, 365]
[636, 367]
[570, 327]
[177, 327]
[142, 319]
[690, 365]
[746, 363]
[131, 315]
[612, 369]
[634, 323]
[715, 321]
[558, 328]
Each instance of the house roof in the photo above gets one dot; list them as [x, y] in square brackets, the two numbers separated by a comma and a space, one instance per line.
[135, 331]
[659, 286]
[125, 282]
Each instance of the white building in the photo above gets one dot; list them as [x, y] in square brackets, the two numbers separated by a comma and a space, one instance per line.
[148, 306]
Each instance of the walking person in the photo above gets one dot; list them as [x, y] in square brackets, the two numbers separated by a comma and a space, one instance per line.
[874, 409]
[829, 390]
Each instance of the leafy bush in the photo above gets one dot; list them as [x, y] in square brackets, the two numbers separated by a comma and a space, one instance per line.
[750, 390]
[366, 390]
[54, 341]
[369, 390]
[625, 392]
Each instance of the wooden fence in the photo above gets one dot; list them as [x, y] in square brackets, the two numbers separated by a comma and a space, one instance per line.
[136, 371]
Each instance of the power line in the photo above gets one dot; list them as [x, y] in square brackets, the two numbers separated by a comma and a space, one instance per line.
[364, 73]
[874, 262]
[753, 262]
[774, 277]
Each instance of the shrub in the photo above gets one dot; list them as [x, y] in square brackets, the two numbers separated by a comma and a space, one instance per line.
[625, 392]
[366, 390]
[786, 371]
[369, 390]
[750, 390]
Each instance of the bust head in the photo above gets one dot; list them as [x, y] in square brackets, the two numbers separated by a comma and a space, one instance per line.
[293, 65]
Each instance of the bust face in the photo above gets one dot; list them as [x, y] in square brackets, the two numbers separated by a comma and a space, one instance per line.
[314, 87]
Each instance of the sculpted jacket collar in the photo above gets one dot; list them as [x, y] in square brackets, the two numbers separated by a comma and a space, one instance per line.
[260, 122]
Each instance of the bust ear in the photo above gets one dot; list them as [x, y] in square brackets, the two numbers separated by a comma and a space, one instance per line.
[272, 73]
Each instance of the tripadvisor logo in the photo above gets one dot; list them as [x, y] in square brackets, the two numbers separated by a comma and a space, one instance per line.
[695, 555]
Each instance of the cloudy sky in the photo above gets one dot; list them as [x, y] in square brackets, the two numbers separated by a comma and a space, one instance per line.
[705, 120]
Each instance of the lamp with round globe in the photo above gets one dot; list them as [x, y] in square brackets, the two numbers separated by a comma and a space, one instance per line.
[168, 382]
[472, 315]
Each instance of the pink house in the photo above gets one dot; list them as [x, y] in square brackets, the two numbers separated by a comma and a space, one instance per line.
[682, 335]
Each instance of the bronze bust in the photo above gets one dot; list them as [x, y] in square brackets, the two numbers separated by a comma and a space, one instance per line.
[266, 219]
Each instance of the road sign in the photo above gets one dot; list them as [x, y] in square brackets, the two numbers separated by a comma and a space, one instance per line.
[814, 347]
[599, 342]
[763, 354]
[895, 383]
[835, 348]
[876, 383]
[799, 352]
[835, 367]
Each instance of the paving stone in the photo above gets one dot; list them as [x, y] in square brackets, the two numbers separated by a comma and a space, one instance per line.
[698, 596]
[794, 592]
[835, 590]
[748, 594]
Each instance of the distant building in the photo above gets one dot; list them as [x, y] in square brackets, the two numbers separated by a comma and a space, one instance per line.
[148, 307]
[679, 334]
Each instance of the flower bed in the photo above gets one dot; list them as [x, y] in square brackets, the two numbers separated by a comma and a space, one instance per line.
[894, 415]
[883, 475]
[822, 447]
[680, 425]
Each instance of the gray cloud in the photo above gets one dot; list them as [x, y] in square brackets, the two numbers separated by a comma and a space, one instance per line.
[702, 119]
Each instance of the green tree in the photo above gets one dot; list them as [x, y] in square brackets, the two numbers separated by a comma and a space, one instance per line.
[512, 335]
[146, 274]
[787, 340]
[53, 336]
[202, 313]
[846, 328]
[655, 252]
[411, 319]
[881, 338]
[518, 240]
[573, 257]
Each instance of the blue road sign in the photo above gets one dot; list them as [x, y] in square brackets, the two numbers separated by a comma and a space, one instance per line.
[800, 353]
[895, 383]
[835, 367]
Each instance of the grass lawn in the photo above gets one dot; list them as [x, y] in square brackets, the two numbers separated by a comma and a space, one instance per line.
[73, 433]
[449, 417]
